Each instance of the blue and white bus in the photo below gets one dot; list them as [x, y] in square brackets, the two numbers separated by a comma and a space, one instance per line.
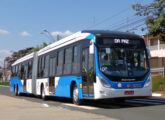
[90, 64]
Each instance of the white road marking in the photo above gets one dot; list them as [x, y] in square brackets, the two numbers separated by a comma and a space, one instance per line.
[156, 95]
[144, 102]
[45, 105]
[84, 107]
[151, 100]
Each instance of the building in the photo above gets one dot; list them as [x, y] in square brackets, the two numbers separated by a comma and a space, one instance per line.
[157, 51]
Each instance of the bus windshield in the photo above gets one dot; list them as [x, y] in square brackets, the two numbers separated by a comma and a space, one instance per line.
[122, 61]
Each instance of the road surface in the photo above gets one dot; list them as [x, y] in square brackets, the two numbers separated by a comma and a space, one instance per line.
[136, 109]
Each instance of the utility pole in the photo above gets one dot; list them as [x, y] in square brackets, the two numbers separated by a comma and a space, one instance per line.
[58, 37]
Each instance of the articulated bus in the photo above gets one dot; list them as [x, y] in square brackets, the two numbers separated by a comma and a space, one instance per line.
[90, 64]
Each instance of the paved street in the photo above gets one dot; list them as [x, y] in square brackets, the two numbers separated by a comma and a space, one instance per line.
[32, 107]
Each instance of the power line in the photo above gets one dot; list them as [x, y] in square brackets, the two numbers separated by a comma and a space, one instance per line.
[136, 27]
[130, 24]
[111, 17]
[121, 22]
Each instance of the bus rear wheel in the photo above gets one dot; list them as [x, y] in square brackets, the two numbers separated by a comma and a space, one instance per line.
[16, 90]
[43, 96]
[120, 100]
[75, 95]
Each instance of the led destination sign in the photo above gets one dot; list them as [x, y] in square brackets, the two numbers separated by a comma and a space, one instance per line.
[120, 42]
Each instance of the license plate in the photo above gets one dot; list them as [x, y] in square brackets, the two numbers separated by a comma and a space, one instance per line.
[129, 92]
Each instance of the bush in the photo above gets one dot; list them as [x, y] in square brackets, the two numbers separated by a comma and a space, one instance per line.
[158, 83]
[4, 83]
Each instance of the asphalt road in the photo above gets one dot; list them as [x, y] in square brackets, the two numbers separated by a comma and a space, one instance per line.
[136, 109]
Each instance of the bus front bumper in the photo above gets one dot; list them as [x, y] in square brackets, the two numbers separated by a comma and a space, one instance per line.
[120, 93]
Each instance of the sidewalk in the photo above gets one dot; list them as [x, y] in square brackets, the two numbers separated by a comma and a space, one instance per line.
[159, 94]
[21, 109]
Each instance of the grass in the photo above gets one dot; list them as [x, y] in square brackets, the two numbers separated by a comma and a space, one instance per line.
[158, 83]
[4, 83]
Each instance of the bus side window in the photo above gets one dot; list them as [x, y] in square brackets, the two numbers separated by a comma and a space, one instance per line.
[43, 66]
[26, 70]
[19, 70]
[40, 67]
[60, 62]
[13, 71]
[76, 59]
[67, 61]
[46, 66]
[30, 69]
[52, 67]
[85, 60]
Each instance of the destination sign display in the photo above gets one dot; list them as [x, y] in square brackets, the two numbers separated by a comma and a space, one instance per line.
[120, 42]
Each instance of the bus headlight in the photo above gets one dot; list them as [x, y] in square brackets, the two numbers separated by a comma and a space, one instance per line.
[104, 82]
[148, 82]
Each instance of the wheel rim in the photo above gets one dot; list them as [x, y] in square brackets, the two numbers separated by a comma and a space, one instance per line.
[43, 93]
[75, 94]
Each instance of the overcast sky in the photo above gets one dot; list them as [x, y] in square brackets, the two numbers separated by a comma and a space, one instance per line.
[22, 21]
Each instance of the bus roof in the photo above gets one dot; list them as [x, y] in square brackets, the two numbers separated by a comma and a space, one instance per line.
[108, 33]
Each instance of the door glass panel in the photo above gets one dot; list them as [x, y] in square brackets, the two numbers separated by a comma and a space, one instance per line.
[87, 71]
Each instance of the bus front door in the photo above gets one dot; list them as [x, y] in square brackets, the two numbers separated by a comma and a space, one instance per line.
[87, 73]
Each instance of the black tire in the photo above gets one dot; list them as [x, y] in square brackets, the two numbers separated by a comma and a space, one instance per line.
[75, 97]
[16, 90]
[120, 100]
[43, 96]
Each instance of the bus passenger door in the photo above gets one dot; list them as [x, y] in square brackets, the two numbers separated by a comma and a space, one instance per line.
[87, 73]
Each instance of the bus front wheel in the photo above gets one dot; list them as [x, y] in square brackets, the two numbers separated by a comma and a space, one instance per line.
[75, 96]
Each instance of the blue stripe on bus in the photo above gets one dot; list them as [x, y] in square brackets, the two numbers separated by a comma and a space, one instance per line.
[132, 85]
[16, 81]
[64, 86]
[91, 36]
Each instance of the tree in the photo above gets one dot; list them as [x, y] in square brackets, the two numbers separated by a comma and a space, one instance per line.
[16, 55]
[37, 48]
[155, 17]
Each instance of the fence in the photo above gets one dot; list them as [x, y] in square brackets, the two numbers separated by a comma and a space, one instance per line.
[158, 71]
[157, 47]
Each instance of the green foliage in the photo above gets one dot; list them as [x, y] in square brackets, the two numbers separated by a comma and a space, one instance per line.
[37, 48]
[155, 17]
[158, 83]
[4, 83]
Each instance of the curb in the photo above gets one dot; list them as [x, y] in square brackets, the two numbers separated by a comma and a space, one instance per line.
[3, 86]
[158, 95]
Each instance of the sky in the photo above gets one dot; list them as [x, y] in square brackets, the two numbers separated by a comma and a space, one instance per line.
[22, 22]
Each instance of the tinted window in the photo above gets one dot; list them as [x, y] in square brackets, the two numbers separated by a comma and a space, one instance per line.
[68, 61]
[76, 59]
[60, 63]
[46, 66]
[52, 67]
